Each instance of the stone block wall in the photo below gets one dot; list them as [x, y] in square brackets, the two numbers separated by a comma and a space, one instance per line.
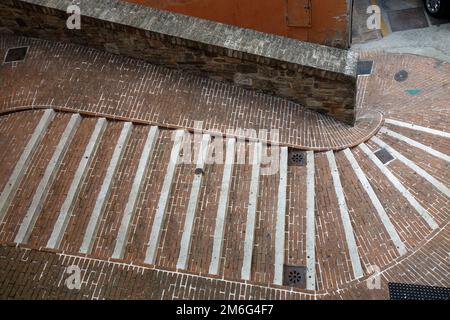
[320, 78]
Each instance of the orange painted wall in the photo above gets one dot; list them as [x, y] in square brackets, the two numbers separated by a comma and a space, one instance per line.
[329, 24]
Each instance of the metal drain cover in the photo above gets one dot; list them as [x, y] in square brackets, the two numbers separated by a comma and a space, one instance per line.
[16, 54]
[400, 76]
[384, 156]
[364, 67]
[294, 276]
[297, 158]
[199, 171]
[404, 291]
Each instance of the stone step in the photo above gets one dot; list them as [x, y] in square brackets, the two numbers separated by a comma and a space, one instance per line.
[107, 189]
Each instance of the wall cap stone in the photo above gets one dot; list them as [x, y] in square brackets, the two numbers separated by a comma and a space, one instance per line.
[213, 33]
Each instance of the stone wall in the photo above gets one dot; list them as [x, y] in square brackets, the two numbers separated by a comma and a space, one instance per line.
[318, 77]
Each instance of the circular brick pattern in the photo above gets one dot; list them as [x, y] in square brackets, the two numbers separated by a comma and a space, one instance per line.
[411, 193]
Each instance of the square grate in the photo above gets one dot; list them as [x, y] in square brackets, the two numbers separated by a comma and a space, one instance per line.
[294, 276]
[364, 68]
[297, 158]
[384, 156]
[16, 54]
[404, 291]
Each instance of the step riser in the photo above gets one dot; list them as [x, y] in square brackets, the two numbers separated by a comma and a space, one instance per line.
[247, 236]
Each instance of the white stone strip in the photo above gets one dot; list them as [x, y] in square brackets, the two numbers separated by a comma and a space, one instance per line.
[222, 207]
[41, 192]
[11, 186]
[417, 128]
[251, 212]
[152, 244]
[281, 218]
[186, 238]
[139, 178]
[437, 184]
[66, 209]
[415, 144]
[401, 248]
[345, 217]
[310, 223]
[94, 221]
[399, 186]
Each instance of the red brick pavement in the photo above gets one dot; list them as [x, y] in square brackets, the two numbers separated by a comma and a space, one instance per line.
[34, 272]
[70, 77]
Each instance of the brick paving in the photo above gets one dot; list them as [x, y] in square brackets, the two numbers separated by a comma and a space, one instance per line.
[32, 274]
[32, 271]
[70, 77]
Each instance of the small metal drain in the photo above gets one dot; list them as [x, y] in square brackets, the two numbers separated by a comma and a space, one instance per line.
[199, 171]
[297, 158]
[16, 54]
[384, 156]
[294, 276]
[404, 291]
[364, 68]
[401, 76]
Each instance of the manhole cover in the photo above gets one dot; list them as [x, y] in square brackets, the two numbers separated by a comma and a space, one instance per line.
[294, 276]
[16, 54]
[364, 67]
[297, 158]
[384, 156]
[400, 76]
[404, 291]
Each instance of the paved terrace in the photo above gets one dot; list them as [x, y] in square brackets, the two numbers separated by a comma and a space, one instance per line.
[86, 180]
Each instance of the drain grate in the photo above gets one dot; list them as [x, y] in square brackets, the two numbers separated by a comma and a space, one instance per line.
[297, 158]
[294, 276]
[364, 68]
[384, 156]
[199, 171]
[404, 291]
[401, 76]
[15, 54]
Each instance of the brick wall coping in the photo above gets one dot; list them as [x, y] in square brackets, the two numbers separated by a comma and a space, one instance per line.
[266, 48]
